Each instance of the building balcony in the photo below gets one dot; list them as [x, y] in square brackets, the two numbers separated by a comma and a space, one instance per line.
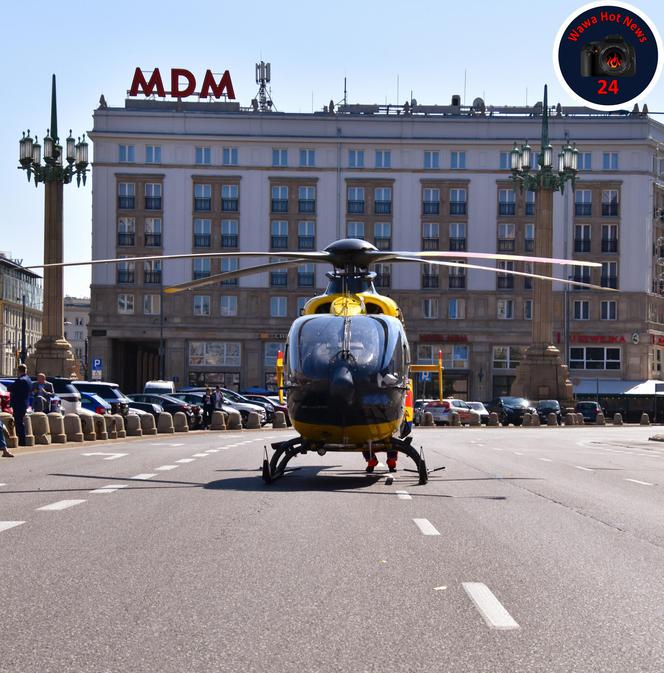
[609, 210]
[279, 279]
[305, 279]
[430, 207]
[202, 240]
[306, 242]
[458, 207]
[581, 245]
[231, 282]
[429, 281]
[430, 243]
[505, 282]
[306, 205]
[229, 240]
[583, 209]
[126, 276]
[580, 279]
[202, 203]
[198, 274]
[279, 205]
[382, 242]
[356, 207]
[231, 205]
[152, 240]
[383, 207]
[126, 238]
[279, 242]
[506, 208]
[609, 245]
[457, 282]
[457, 244]
[153, 203]
[152, 277]
[609, 281]
[506, 245]
[126, 202]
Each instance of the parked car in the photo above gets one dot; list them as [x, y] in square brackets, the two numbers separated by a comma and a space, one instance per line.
[56, 402]
[279, 406]
[170, 404]
[95, 404]
[481, 410]
[418, 410]
[145, 408]
[235, 401]
[441, 410]
[267, 407]
[107, 391]
[546, 407]
[510, 409]
[589, 411]
[196, 401]
[159, 387]
[5, 400]
[70, 397]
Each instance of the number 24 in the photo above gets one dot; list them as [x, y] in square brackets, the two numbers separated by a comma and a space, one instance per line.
[603, 89]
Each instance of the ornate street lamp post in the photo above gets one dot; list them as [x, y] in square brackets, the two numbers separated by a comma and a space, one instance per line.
[542, 373]
[52, 352]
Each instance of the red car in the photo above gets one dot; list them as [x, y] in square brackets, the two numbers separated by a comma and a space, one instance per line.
[274, 401]
[5, 400]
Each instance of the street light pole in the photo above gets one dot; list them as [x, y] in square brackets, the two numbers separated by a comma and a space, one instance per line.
[24, 351]
[52, 352]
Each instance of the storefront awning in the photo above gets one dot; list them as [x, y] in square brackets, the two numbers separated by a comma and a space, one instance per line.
[616, 387]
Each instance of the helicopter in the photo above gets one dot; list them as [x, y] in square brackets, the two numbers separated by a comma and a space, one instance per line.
[347, 362]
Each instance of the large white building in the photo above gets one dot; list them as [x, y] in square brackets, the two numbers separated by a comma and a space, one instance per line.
[174, 177]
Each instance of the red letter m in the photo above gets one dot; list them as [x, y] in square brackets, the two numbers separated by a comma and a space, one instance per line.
[217, 89]
[147, 87]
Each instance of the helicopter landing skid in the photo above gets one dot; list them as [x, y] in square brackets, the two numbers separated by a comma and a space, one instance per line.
[274, 468]
[405, 446]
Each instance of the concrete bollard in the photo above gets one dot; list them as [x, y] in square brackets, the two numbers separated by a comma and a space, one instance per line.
[253, 422]
[165, 424]
[279, 420]
[148, 426]
[600, 420]
[617, 419]
[10, 430]
[100, 427]
[120, 426]
[568, 419]
[40, 427]
[475, 419]
[180, 422]
[133, 426]
[493, 419]
[109, 422]
[73, 428]
[527, 420]
[535, 420]
[57, 427]
[88, 428]
[645, 419]
[234, 421]
[218, 421]
[455, 418]
[551, 419]
[428, 419]
[580, 419]
[29, 437]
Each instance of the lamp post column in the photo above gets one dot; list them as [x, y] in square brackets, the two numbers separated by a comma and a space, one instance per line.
[542, 333]
[53, 253]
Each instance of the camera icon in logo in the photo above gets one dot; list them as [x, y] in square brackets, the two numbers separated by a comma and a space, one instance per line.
[612, 57]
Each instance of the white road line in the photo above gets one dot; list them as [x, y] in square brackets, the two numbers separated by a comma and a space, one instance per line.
[111, 488]
[199, 455]
[185, 460]
[491, 609]
[212, 451]
[6, 525]
[61, 504]
[163, 468]
[3, 484]
[586, 469]
[165, 444]
[426, 527]
[495, 449]
[111, 456]
[403, 495]
[643, 483]
[144, 475]
[546, 460]
[518, 453]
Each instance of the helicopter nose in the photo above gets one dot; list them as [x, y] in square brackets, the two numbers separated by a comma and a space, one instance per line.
[342, 385]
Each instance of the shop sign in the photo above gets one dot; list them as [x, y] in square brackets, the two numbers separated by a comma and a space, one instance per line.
[657, 340]
[597, 339]
[183, 84]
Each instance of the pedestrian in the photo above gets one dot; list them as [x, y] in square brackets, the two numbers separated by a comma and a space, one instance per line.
[372, 461]
[218, 398]
[208, 408]
[6, 453]
[20, 394]
[42, 394]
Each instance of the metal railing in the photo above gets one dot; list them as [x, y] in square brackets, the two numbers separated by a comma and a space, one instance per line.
[355, 207]
[279, 205]
[458, 207]
[383, 207]
[231, 205]
[306, 205]
[583, 209]
[430, 207]
[202, 203]
[609, 245]
[126, 238]
[581, 245]
[153, 203]
[152, 240]
[229, 240]
[126, 202]
[202, 240]
[457, 244]
[279, 242]
[506, 245]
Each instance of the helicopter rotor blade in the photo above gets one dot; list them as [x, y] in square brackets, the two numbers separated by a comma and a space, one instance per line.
[229, 275]
[487, 255]
[510, 272]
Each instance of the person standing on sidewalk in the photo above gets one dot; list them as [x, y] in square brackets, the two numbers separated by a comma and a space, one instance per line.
[20, 394]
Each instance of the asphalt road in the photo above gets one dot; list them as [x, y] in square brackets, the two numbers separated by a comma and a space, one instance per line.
[535, 550]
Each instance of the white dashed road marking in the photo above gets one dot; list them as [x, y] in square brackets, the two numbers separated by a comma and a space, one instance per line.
[199, 455]
[6, 525]
[643, 483]
[212, 451]
[586, 469]
[111, 488]
[165, 444]
[546, 460]
[403, 495]
[61, 504]
[144, 476]
[185, 460]
[111, 456]
[163, 468]
[518, 453]
[491, 609]
[426, 527]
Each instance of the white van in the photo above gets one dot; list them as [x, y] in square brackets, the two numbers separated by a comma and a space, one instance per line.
[159, 387]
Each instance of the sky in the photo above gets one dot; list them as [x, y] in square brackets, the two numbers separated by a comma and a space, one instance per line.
[385, 49]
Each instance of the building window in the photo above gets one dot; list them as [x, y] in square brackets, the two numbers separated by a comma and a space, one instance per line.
[279, 234]
[306, 235]
[229, 264]
[229, 233]
[152, 154]
[383, 275]
[528, 282]
[202, 233]
[356, 230]
[609, 203]
[506, 237]
[229, 156]
[126, 231]
[307, 158]
[383, 159]
[529, 237]
[383, 235]
[507, 357]
[279, 199]
[125, 304]
[152, 196]
[430, 277]
[581, 275]
[582, 237]
[457, 236]
[279, 157]
[583, 203]
[201, 304]
[126, 154]
[531, 201]
[505, 161]
[152, 232]
[306, 276]
[608, 310]
[306, 199]
[272, 349]
[203, 155]
[152, 272]
[126, 272]
[457, 202]
[610, 161]
[584, 161]
[215, 353]
[228, 306]
[356, 158]
[431, 159]
[278, 277]
[457, 275]
[505, 309]
[202, 197]
[456, 309]
[383, 200]
[609, 238]
[430, 235]
[457, 159]
[278, 307]
[504, 281]
[528, 309]
[301, 302]
[201, 266]
[126, 195]
[581, 310]
[356, 200]
[609, 277]
[230, 198]
[430, 308]
[430, 201]
[592, 357]
[506, 202]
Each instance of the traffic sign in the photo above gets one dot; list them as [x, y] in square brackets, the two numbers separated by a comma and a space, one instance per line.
[425, 376]
[96, 364]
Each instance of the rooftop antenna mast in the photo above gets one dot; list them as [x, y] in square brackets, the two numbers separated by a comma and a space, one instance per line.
[263, 101]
